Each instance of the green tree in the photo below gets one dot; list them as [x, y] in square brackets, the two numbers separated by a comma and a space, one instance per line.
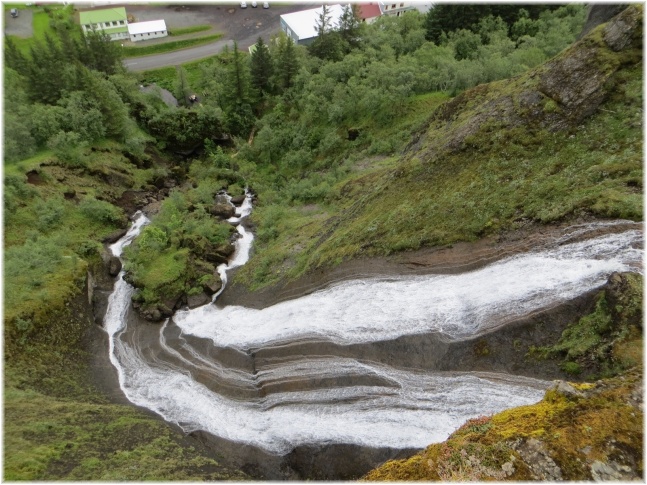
[261, 69]
[350, 25]
[18, 141]
[108, 102]
[328, 45]
[287, 64]
[181, 87]
[82, 115]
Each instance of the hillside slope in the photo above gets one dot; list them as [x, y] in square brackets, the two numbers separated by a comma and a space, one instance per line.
[558, 143]
[586, 431]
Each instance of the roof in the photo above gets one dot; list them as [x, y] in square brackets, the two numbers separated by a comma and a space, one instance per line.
[369, 10]
[303, 23]
[145, 27]
[103, 15]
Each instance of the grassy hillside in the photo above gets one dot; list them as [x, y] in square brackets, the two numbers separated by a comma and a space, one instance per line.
[496, 157]
[58, 424]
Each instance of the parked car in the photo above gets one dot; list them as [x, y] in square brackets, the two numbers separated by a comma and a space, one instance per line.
[14, 12]
[266, 5]
[243, 4]
[254, 5]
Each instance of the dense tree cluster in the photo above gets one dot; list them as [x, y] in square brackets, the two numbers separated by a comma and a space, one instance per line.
[63, 94]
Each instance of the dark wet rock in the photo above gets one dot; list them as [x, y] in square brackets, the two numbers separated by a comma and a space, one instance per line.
[172, 302]
[220, 254]
[114, 266]
[213, 285]
[238, 200]
[152, 314]
[224, 211]
[200, 299]
[113, 237]
[165, 311]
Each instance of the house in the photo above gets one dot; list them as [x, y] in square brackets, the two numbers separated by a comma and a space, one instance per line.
[397, 8]
[112, 21]
[301, 26]
[152, 29]
[369, 12]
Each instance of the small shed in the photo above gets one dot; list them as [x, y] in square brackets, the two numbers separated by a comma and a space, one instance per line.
[152, 29]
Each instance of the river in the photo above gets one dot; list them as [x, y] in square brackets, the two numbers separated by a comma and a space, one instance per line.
[313, 371]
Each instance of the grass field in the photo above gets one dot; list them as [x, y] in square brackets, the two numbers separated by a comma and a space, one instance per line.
[169, 46]
[177, 31]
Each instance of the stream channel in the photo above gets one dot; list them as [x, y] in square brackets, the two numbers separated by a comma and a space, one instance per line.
[331, 384]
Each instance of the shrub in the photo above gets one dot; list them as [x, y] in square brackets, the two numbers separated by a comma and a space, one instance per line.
[101, 211]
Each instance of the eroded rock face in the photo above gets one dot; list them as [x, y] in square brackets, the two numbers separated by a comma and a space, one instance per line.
[536, 456]
[600, 13]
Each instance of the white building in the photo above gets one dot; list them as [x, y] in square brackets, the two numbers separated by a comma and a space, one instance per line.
[301, 26]
[112, 21]
[152, 29]
[398, 8]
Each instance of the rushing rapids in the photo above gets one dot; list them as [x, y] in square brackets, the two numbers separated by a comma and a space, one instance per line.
[310, 370]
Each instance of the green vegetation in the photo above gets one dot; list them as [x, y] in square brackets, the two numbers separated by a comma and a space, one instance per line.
[177, 31]
[608, 340]
[178, 252]
[371, 142]
[147, 50]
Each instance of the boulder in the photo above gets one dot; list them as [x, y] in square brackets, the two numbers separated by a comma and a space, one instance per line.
[213, 285]
[220, 254]
[114, 266]
[113, 237]
[238, 200]
[200, 299]
[223, 211]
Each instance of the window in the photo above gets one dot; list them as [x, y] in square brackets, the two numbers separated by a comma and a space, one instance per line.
[393, 6]
[402, 5]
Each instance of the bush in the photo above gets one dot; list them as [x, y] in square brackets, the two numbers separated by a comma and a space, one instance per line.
[101, 211]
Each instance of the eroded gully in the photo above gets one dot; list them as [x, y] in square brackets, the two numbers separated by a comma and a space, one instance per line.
[331, 383]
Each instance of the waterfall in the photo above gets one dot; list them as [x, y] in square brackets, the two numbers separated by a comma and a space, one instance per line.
[203, 369]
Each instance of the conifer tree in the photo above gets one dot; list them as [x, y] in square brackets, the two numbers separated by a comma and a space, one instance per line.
[261, 68]
[287, 64]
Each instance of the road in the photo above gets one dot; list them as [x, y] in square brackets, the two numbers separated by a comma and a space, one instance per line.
[241, 25]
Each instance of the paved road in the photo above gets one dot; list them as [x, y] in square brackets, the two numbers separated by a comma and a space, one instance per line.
[21, 26]
[241, 25]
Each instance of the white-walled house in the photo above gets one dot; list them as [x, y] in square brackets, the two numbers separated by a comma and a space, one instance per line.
[112, 21]
[398, 8]
[152, 29]
[300, 26]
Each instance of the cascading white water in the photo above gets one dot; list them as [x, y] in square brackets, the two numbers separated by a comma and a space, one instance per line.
[457, 305]
[400, 408]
